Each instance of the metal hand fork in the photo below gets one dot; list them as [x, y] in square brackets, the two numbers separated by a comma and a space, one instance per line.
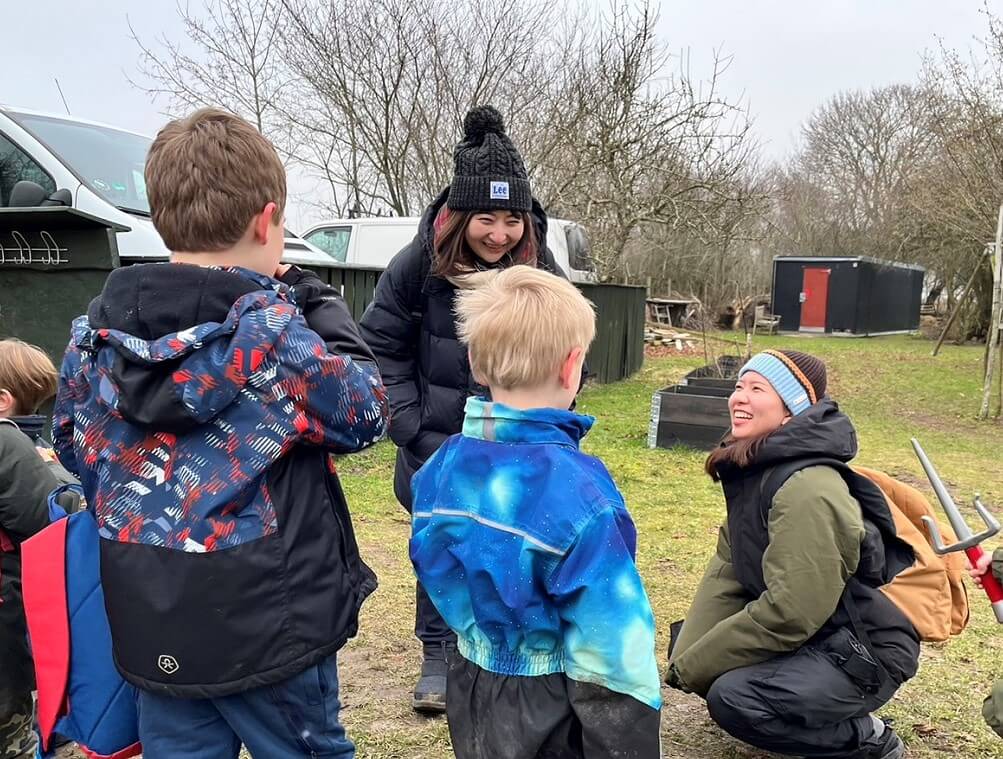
[967, 541]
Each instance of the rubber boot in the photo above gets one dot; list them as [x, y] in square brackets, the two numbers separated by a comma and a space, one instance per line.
[430, 692]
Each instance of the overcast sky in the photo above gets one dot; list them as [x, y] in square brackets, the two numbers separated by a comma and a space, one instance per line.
[787, 55]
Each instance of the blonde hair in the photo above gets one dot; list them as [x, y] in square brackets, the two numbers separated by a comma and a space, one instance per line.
[27, 373]
[207, 175]
[520, 324]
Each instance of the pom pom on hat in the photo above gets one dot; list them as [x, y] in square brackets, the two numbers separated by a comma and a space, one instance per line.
[480, 121]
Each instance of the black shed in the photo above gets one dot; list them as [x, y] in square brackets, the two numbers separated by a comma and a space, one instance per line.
[853, 296]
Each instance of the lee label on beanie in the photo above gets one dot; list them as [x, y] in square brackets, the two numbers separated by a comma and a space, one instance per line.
[499, 191]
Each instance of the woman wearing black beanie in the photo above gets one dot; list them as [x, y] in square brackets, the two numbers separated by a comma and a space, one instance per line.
[486, 219]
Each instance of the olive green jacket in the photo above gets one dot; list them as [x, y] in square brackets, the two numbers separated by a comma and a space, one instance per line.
[25, 483]
[992, 709]
[815, 531]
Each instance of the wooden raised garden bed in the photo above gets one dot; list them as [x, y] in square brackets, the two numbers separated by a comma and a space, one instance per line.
[694, 412]
[712, 383]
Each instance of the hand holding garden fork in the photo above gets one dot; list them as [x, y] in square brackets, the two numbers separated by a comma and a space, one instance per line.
[967, 542]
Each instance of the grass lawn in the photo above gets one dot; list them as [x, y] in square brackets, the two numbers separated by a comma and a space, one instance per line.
[891, 388]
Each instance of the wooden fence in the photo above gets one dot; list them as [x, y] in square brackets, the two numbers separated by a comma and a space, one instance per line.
[618, 350]
[616, 353]
[44, 303]
[357, 285]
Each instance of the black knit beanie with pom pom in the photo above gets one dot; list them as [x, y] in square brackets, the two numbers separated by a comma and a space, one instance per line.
[489, 173]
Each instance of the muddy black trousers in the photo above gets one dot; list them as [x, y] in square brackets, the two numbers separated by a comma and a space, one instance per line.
[494, 716]
[801, 703]
[429, 626]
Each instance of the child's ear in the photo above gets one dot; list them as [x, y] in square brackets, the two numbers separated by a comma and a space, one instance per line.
[7, 403]
[263, 224]
[571, 368]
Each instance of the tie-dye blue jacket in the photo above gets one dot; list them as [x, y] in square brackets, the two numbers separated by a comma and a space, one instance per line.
[526, 548]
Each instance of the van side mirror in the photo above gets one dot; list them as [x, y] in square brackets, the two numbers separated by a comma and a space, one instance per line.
[61, 197]
[579, 249]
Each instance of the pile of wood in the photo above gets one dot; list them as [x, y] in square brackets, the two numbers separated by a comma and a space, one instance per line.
[655, 334]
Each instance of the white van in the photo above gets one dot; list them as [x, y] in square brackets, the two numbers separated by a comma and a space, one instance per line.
[363, 242]
[374, 241]
[102, 167]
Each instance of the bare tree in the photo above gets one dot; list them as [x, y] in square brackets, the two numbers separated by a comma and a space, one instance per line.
[862, 149]
[847, 190]
[730, 265]
[389, 81]
[883, 173]
[232, 61]
[962, 186]
[652, 148]
[967, 98]
[368, 97]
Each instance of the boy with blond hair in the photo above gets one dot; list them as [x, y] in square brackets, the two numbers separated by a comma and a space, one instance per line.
[527, 549]
[199, 402]
[27, 380]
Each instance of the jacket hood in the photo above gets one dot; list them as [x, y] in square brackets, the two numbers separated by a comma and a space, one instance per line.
[172, 345]
[489, 420]
[426, 228]
[32, 425]
[822, 431]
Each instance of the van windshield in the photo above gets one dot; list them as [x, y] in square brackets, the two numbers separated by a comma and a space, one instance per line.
[109, 161]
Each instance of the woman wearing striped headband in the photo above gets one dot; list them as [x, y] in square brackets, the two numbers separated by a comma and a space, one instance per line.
[788, 637]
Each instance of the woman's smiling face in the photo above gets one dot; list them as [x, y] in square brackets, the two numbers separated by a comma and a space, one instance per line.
[492, 234]
[756, 409]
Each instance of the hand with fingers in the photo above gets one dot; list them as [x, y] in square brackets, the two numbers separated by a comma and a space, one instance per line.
[979, 568]
[985, 563]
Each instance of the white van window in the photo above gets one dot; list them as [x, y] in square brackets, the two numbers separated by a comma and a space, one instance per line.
[332, 240]
[109, 161]
[15, 166]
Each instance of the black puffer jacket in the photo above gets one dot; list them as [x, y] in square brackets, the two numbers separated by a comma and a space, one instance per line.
[411, 328]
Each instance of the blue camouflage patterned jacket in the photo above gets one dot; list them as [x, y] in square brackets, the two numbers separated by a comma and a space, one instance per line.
[199, 407]
[526, 548]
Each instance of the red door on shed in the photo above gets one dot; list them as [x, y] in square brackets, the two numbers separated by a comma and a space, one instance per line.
[814, 298]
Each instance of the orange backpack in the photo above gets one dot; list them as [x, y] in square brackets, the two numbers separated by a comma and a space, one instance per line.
[931, 592]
